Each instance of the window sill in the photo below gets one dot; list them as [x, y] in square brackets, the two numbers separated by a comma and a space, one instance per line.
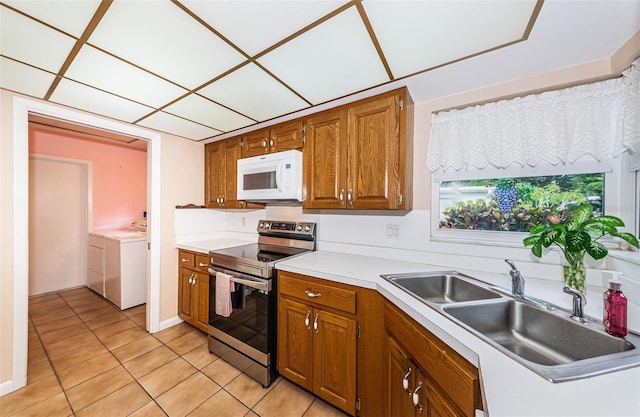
[625, 255]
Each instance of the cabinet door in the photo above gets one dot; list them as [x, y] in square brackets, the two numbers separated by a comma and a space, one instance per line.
[325, 160]
[433, 402]
[186, 302]
[202, 302]
[334, 371]
[255, 143]
[398, 369]
[285, 136]
[373, 178]
[295, 342]
[214, 174]
[231, 154]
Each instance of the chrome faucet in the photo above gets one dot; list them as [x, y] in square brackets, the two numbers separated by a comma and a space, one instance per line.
[579, 300]
[517, 280]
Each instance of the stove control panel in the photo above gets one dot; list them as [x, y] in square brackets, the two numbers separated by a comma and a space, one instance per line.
[286, 228]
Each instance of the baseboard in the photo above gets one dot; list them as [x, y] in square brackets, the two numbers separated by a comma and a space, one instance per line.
[6, 387]
[169, 323]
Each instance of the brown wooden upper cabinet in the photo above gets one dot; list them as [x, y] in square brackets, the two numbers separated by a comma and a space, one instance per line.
[281, 137]
[220, 170]
[359, 156]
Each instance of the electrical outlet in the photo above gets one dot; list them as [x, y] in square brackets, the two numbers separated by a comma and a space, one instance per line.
[393, 231]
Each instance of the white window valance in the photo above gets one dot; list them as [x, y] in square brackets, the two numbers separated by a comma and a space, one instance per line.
[594, 121]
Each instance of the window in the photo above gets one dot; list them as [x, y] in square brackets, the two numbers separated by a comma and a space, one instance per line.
[516, 204]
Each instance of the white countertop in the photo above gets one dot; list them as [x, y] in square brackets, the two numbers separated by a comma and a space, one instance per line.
[509, 388]
[204, 246]
[123, 235]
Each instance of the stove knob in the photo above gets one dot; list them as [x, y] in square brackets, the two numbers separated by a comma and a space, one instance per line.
[299, 228]
[267, 225]
[261, 225]
[307, 228]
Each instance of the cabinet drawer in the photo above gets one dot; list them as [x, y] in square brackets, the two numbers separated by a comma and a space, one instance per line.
[317, 292]
[95, 259]
[97, 241]
[187, 259]
[202, 263]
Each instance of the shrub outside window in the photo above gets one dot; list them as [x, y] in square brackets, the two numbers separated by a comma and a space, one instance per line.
[516, 204]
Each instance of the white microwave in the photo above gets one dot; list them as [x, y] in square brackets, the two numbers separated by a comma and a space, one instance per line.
[271, 177]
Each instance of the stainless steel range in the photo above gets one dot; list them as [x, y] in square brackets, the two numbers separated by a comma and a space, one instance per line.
[247, 337]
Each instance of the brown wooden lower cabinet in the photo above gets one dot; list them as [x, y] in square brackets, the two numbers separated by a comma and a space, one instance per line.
[193, 289]
[423, 375]
[353, 349]
[316, 342]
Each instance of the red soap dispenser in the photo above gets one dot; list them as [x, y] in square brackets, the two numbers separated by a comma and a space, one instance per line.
[614, 315]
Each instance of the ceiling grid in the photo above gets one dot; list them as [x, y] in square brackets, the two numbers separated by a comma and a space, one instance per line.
[203, 69]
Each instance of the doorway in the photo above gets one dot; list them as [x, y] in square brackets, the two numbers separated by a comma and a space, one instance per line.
[22, 107]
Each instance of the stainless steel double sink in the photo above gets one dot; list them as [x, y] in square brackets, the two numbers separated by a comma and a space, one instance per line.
[537, 334]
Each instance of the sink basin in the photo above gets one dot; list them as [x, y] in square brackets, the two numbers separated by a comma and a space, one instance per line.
[441, 287]
[536, 335]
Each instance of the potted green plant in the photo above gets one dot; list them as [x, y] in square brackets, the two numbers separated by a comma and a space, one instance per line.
[576, 238]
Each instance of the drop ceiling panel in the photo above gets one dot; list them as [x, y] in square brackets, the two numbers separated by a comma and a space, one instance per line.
[206, 112]
[254, 93]
[331, 60]
[105, 72]
[254, 26]
[26, 40]
[15, 76]
[76, 95]
[70, 16]
[176, 126]
[163, 39]
[433, 33]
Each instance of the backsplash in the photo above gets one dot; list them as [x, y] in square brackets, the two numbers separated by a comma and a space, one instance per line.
[367, 234]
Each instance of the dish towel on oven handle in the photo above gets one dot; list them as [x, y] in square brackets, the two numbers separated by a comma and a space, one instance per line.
[224, 288]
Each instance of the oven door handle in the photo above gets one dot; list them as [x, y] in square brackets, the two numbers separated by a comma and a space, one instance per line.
[260, 285]
[264, 285]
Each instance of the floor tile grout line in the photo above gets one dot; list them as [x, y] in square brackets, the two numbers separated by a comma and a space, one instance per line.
[84, 322]
[35, 329]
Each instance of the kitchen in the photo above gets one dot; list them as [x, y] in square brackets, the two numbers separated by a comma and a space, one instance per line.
[360, 234]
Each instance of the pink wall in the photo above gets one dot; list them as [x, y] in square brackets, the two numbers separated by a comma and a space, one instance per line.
[119, 175]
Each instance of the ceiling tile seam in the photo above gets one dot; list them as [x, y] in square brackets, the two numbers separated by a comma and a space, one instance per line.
[305, 29]
[136, 66]
[374, 38]
[453, 61]
[195, 90]
[533, 19]
[192, 121]
[91, 26]
[237, 48]
[287, 86]
[35, 19]
[209, 27]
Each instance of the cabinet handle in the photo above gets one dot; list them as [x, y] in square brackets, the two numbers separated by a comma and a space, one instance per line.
[271, 143]
[222, 200]
[315, 324]
[349, 195]
[342, 197]
[184, 260]
[202, 264]
[264, 143]
[405, 381]
[307, 322]
[191, 279]
[416, 398]
[313, 294]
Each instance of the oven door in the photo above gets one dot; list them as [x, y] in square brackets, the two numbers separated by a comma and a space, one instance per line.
[250, 329]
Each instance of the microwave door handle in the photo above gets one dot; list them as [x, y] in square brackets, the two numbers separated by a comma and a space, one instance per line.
[279, 175]
[264, 286]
